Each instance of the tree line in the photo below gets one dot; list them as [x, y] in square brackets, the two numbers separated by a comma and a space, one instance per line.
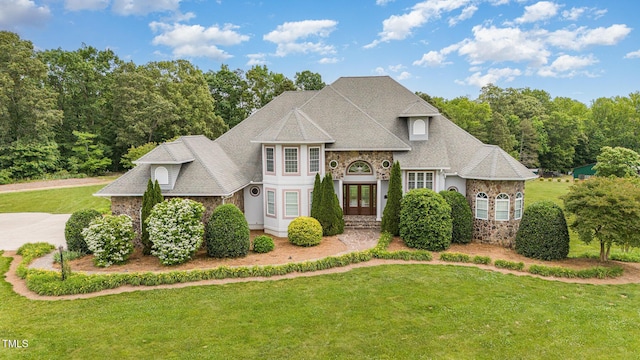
[88, 112]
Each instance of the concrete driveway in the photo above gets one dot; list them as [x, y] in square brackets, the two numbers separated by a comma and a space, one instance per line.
[17, 229]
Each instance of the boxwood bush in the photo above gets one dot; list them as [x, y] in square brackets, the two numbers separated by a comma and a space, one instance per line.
[176, 230]
[461, 217]
[227, 233]
[110, 238]
[305, 231]
[263, 244]
[78, 221]
[425, 220]
[543, 232]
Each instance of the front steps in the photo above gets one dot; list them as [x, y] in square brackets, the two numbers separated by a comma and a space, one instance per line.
[361, 222]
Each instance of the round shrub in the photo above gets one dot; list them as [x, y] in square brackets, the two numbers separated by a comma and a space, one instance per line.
[175, 230]
[461, 217]
[543, 232]
[425, 220]
[110, 238]
[263, 244]
[305, 231]
[78, 221]
[227, 233]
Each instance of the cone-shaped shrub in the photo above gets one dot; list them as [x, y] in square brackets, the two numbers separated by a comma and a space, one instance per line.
[543, 232]
[391, 213]
[228, 234]
[425, 220]
[461, 216]
[150, 198]
[78, 221]
[329, 213]
[317, 197]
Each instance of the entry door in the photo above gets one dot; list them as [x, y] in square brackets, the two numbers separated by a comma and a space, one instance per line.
[359, 199]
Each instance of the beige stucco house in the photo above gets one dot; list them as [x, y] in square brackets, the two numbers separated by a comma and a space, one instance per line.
[354, 129]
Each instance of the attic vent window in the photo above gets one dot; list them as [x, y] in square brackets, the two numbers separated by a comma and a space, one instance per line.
[419, 127]
[359, 167]
[162, 175]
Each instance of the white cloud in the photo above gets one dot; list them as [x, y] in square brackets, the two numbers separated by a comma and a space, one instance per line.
[78, 5]
[633, 55]
[396, 68]
[196, 40]
[404, 75]
[399, 27]
[504, 44]
[491, 77]
[432, 59]
[466, 13]
[383, 2]
[582, 37]
[144, 7]
[537, 12]
[287, 35]
[328, 60]
[380, 71]
[567, 66]
[256, 59]
[14, 13]
[574, 13]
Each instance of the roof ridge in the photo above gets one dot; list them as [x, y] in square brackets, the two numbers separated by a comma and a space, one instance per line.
[304, 114]
[367, 115]
[206, 168]
[300, 123]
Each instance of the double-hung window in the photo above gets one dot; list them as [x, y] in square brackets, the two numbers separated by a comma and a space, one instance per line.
[419, 180]
[314, 160]
[517, 211]
[271, 202]
[482, 206]
[502, 207]
[291, 204]
[290, 160]
[270, 163]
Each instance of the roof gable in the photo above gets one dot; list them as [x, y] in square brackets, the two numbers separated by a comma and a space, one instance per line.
[167, 153]
[294, 127]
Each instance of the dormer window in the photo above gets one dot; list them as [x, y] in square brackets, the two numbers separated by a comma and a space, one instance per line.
[162, 175]
[419, 127]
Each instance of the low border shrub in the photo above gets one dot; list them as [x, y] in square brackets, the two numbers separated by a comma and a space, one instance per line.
[455, 257]
[511, 265]
[263, 244]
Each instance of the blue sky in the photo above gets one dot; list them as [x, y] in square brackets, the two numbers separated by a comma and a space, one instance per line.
[447, 48]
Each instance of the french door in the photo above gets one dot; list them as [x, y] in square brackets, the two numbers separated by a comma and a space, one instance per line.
[359, 199]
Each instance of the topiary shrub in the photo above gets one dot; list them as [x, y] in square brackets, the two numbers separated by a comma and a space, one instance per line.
[78, 221]
[263, 244]
[175, 230]
[228, 233]
[305, 231]
[425, 220]
[391, 214]
[543, 232]
[461, 217]
[110, 238]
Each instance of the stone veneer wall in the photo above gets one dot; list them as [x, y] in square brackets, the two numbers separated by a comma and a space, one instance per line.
[131, 205]
[345, 158]
[491, 231]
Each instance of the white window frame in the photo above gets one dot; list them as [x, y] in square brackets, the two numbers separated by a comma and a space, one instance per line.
[286, 161]
[419, 127]
[414, 181]
[287, 203]
[503, 205]
[482, 198]
[518, 205]
[270, 202]
[161, 175]
[272, 160]
[314, 164]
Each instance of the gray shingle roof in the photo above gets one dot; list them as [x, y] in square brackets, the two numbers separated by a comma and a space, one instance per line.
[353, 113]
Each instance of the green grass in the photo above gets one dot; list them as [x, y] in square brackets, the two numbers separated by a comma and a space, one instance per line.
[54, 201]
[383, 312]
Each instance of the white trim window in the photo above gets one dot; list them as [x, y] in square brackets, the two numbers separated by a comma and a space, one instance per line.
[502, 207]
[271, 202]
[270, 160]
[291, 204]
[290, 160]
[482, 206]
[314, 159]
[419, 180]
[162, 175]
[517, 212]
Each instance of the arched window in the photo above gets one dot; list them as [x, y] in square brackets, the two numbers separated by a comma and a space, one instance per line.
[162, 175]
[419, 127]
[517, 212]
[359, 168]
[482, 206]
[502, 207]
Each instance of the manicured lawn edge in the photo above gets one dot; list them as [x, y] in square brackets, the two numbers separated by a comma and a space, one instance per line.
[49, 283]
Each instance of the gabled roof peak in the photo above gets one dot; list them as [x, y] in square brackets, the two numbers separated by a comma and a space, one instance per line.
[294, 127]
[419, 108]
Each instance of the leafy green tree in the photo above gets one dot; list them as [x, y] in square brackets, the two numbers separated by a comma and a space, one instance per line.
[23, 160]
[231, 93]
[561, 131]
[618, 161]
[472, 116]
[391, 213]
[264, 85]
[606, 209]
[317, 197]
[308, 80]
[150, 198]
[134, 153]
[88, 158]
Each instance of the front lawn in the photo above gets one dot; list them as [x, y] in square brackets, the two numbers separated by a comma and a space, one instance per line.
[54, 201]
[389, 311]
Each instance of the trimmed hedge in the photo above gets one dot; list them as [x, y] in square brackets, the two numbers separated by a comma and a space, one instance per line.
[79, 221]
[461, 217]
[228, 234]
[263, 244]
[511, 265]
[425, 220]
[543, 232]
[305, 231]
[562, 272]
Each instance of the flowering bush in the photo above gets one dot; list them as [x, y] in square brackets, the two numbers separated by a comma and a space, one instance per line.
[110, 239]
[175, 230]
